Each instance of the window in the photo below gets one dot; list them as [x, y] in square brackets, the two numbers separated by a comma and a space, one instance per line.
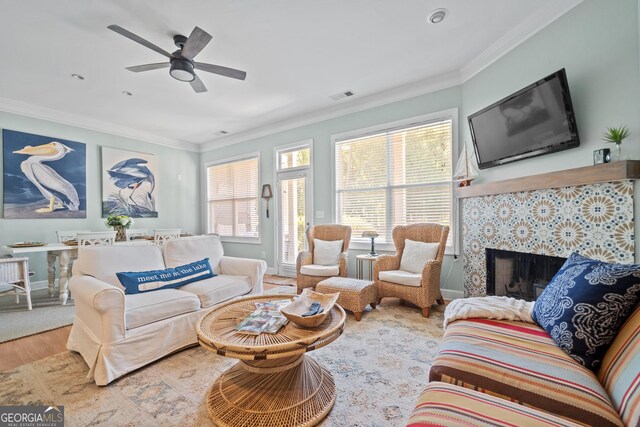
[233, 199]
[294, 157]
[395, 176]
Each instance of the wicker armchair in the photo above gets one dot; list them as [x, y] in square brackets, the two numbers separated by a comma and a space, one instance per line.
[322, 232]
[428, 290]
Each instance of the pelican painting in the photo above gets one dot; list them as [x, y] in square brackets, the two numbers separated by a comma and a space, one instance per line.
[43, 177]
[129, 183]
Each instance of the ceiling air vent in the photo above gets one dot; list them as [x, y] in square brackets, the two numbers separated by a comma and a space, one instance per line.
[342, 95]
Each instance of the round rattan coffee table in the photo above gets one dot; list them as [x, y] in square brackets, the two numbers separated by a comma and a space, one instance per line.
[274, 383]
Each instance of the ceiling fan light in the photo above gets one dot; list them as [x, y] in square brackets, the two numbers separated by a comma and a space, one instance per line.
[182, 70]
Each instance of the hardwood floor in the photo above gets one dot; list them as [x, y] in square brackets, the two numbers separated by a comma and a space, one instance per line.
[35, 347]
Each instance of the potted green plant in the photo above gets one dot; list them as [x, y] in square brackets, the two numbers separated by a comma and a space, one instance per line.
[617, 136]
[119, 223]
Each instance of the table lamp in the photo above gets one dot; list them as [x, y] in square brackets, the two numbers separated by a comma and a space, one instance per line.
[371, 235]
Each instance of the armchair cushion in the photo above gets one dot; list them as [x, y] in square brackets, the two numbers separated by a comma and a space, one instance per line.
[145, 308]
[326, 252]
[416, 255]
[401, 277]
[320, 270]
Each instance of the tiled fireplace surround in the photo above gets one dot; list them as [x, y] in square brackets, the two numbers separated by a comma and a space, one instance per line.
[596, 220]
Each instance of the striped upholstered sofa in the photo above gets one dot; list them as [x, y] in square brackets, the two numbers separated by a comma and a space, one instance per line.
[505, 373]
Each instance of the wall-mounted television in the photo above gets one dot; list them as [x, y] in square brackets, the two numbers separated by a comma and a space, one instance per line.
[536, 120]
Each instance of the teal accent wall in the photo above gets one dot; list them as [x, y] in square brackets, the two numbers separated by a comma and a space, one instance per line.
[178, 200]
[322, 172]
[598, 44]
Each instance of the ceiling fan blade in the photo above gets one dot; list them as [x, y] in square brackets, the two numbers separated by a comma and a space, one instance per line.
[197, 85]
[198, 39]
[128, 34]
[149, 67]
[223, 71]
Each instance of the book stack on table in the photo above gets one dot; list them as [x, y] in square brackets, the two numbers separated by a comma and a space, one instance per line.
[266, 319]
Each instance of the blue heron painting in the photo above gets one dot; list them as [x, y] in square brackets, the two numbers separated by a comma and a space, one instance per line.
[128, 184]
[44, 177]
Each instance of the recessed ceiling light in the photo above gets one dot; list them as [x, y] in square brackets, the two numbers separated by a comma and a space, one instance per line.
[438, 15]
[127, 93]
[77, 76]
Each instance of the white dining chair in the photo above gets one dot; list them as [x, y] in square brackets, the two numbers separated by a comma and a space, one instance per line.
[96, 238]
[161, 235]
[14, 278]
[132, 233]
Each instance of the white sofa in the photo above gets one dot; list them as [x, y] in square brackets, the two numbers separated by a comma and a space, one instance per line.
[117, 333]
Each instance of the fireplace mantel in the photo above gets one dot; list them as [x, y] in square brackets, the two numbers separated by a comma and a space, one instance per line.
[607, 172]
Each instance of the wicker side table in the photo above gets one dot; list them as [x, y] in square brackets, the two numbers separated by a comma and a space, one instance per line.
[355, 294]
[275, 382]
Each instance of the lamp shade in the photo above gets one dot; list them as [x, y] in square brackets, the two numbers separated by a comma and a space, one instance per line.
[369, 234]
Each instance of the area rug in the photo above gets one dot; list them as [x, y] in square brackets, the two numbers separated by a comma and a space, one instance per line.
[47, 314]
[279, 280]
[380, 365]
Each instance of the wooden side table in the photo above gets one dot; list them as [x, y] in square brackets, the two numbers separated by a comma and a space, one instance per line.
[360, 260]
[274, 383]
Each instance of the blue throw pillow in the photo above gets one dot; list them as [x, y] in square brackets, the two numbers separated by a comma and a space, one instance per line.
[585, 304]
[136, 282]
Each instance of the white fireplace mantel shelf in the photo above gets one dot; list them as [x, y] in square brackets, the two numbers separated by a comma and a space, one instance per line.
[607, 172]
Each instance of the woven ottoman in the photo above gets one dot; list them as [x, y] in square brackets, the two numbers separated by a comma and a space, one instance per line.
[355, 295]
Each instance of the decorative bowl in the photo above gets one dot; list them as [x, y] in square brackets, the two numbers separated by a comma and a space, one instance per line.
[302, 304]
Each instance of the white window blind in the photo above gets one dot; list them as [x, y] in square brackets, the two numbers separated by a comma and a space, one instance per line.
[395, 177]
[233, 199]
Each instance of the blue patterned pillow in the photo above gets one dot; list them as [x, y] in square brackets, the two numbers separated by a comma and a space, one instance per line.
[136, 282]
[585, 304]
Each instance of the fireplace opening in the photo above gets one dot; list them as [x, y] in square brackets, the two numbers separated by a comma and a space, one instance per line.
[518, 274]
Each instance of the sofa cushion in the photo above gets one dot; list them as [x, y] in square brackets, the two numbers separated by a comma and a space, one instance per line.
[442, 404]
[320, 270]
[103, 262]
[416, 254]
[401, 277]
[520, 362]
[327, 252]
[187, 250]
[620, 371]
[585, 304]
[220, 288]
[136, 282]
[143, 309]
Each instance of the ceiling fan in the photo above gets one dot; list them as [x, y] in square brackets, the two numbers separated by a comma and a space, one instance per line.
[181, 63]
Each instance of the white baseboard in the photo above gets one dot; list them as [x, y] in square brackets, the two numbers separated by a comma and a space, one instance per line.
[450, 294]
[271, 271]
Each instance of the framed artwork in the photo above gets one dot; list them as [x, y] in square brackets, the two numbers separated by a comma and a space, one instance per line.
[44, 177]
[129, 185]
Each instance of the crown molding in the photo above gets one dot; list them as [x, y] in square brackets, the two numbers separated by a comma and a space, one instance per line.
[378, 99]
[517, 36]
[44, 113]
[501, 47]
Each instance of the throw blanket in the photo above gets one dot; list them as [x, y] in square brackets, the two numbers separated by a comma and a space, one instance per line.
[499, 308]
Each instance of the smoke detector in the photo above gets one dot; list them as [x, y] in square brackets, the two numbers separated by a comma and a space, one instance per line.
[342, 95]
[437, 16]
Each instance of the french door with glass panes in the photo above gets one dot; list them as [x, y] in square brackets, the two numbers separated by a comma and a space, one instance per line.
[294, 215]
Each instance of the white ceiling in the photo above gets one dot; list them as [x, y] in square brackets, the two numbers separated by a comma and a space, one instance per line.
[296, 53]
